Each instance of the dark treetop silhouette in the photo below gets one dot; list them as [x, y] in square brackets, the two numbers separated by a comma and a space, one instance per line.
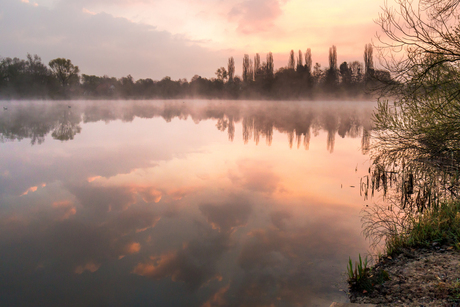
[25, 79]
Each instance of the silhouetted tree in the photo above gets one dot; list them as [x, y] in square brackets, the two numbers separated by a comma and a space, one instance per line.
[317, 73]
[368, 61]
[231, 69]
[64, 71]
[221, 74]
[308, 62]
[300, 68]
[247, 69]
[291, 63]
[356, 72]
[256, 65]
[270, 65]
[345, 73]
[31, 78]
[38, 76]
[332, 78]
[333, 58]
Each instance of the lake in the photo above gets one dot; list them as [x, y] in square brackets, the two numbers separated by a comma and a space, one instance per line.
[180, 203]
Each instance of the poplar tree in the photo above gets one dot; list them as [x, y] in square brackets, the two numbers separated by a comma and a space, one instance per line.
[231, 69]
[270, 65]
[300, 67]
[368, 60]
[256, 66]
[308, 62]
[248, 71]
[291, 63]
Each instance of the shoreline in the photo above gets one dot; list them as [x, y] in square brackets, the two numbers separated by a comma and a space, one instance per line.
[417, 277]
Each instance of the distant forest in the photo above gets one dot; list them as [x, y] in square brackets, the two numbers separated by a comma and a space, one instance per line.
[300, 79]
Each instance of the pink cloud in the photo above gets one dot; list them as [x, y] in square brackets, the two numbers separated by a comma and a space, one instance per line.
[133, 248]
[65, 208]
[31, 189]
[255, 16]
[90, 266]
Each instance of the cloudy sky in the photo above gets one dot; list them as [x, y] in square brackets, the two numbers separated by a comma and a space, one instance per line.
[181, 38]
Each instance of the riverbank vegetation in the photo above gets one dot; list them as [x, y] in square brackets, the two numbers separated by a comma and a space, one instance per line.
[300, 79]
[416, 138]
[415, 152]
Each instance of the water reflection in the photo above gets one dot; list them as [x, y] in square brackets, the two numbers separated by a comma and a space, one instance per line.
[414, 167]
[297, 120]
[150, 204]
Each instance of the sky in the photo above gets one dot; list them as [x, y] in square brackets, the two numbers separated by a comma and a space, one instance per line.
[183, 38]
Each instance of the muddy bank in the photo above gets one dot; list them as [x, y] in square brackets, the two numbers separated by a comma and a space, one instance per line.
[418, 277]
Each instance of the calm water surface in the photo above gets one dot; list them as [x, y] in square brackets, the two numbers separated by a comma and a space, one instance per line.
[180, 203]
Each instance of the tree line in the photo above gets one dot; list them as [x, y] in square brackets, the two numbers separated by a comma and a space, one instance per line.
[300, 79]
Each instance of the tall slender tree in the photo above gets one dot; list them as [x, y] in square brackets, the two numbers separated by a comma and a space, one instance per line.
[231, 69]
[332, 76]
[333, 58]
[291, 63]
[308, 62]
[368, 60]
[248, 71]
[270, 65]
[256, 66]
[300, 67]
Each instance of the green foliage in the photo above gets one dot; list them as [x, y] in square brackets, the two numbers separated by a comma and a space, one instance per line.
[439, 224]
[454, 291]
[64, 71]
[358, 277]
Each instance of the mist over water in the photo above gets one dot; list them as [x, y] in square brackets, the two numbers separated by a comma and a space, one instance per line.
[180, 203]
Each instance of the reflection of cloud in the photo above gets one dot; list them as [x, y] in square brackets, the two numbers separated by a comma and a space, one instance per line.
[194, 264]
[256, 176]
[119, 202]
[31, 189]
[88, 11]
[180, 193]
[228, 216]
[90, 266]
[133, 248]
[277, 262]
[150, 194]
[91, 179]
[136, 218]
[217, 300]
[66, 209]
[278, 218]
[104, 198]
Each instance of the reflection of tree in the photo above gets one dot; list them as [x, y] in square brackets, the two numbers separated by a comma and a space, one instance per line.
[416, 148]
[225, 123]
[66, 129]
[258, 121]
[365, 141]
[330, 125]
[28, 121]
[417, 136]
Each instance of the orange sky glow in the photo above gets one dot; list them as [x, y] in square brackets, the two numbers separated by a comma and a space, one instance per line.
[155, 38]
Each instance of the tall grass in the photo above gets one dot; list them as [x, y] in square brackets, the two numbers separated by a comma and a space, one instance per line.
[358, 277]
[440, 224]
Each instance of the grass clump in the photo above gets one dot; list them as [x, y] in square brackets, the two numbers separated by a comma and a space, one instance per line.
[454, 291]
[358, 277]
[361, 278]
[440, 224]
